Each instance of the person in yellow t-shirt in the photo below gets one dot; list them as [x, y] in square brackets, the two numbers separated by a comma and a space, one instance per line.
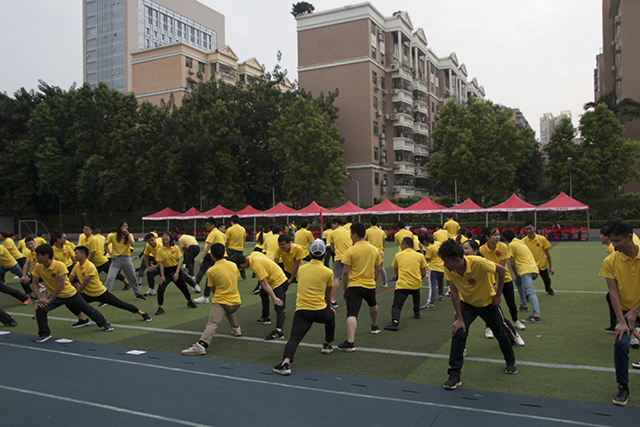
[440, 235]
[235, 237]
[168, 259]
[312, 306]
[304, 237]
[271, 244]
[21, 245]
[451, 226]
[121, 242]
[8, 263]
[539, 247]
[470, 279]
[620, 269]
[329, 254]
[62, 251]
[216, 235]
[462, 236]
[349, 222]
[91, 289]
[377, 237]
[59, 292]
[222, 277]
[39, 239]
[401, 234]
[525, 269]
[10, 245]
[436, 270]
[190, 247]
[273, 284]
[259, 247]
[410, 267]
[291, 256]
[361, 268]
[340, 241]
[30, 255]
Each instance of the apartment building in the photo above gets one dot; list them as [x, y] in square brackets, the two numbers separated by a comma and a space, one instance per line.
[392, 86]
[114, 29]
[548, 123]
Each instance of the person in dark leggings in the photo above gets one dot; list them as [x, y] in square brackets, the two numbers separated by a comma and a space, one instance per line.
[6, 319]
[168, 258]
[216, 236]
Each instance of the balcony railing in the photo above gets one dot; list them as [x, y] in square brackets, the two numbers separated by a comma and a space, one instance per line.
[404, 168]
[422, 128]
[403, 144]
[403, 191]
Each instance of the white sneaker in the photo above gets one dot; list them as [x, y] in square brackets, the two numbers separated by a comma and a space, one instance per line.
[519, 340]
[634, 342]
[518, 325]
[488, 333]
[194, 350]
[236, 332]
[150, 292]
[16, 277]
[197, 289]
[201, 300]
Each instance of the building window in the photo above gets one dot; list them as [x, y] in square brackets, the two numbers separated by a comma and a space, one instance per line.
[376, 153]
[376, 178]
[373, 52]
[375, 128]
[375, 103]
[373, 28]
[201, 67]
[433, 69]
[383, 83]
[188, 62]
[384, 130]
[147, 42]
[147, 30]
[374, 78]
[383, 160]
[384, 179]
[382, 58]
[384, 109]
[433, 107]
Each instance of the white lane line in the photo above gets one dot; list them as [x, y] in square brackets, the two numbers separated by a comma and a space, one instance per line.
[103, 406]
[303, 388]
[363, 349]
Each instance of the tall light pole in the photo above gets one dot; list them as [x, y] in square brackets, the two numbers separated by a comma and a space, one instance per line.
[570, 178]
[357, 190]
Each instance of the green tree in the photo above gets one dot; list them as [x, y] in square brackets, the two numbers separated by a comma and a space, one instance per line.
[529, 172]
[479, 148]
[307, 147]
[561, 146]
[626, 110]
[302, 8]
[606, 160]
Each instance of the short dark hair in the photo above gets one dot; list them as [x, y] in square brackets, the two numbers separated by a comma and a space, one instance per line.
[211, 221]
[373, 220]
[149, 236]
[45, 249]
[508, 234]
[40, 233]
[619, 227]
[304, 223]
[284, 238]
[28, 239]
[529, 223]
[235, 219]
[336, 220]
[358, 228]
[238, 259]
[275, 229]
[426, 237]
[450, 250]
[90, 226]
[407, 241]
[400, 224]
[217, 250]
[83, 249]
[162, 233]
[474, 245]
[349, 218]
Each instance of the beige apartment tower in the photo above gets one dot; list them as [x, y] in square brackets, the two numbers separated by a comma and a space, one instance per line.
[391, 87]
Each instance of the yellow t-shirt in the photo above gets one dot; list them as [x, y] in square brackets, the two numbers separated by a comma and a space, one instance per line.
[523, 257]
[452, 228]
[39, 241]
[11, 247]
[64, 254]
[170, 257]
[82, 239]
[50, 278]
[120, 248]
[6, 260]
[409, 263]
[94, 288]
[70, 244]
[303, 239]
[289, 258]
[340, 241]
[501, 252]
[313, 280]
[30, 256]
[401, 234]
[271, 245]
[441, 235]
[376, 237]
[153, 250]
[21, 246]
[325, 235]
[626, 272]
[223, 277]
[258, 244]
[93, 245]
[476, 285]
[186, 240]
[538, 246]
[432, 255]
[363, 258]
[347, 227]
[265, 268]
[216, 236]
[462, 239]
[236, 234]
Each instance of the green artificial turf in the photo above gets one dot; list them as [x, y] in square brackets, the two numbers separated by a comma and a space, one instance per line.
[571, 334]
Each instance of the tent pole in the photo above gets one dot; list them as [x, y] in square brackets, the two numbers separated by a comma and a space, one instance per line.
[254, 229]
[588, 227]
[142, 227]
[535, 220]
[487, 219]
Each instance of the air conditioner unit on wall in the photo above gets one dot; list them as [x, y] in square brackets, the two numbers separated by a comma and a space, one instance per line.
[395, 91]
[378, 113]
[381, 37]
[192, 71]
[395, 66]
[383, 136]
[385, 92]
[377, 87]
[386, 117]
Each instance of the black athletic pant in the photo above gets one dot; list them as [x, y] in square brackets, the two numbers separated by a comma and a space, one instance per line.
[5, 289]
[75, 304]
[189, 255]
[4, 317]
[302, 322]
[206, 263]
[613, 319]
[232, 252]
[399, 298]
[546, 279]
[109, 298]
[510, 299]
[168, 278]
[281, 292]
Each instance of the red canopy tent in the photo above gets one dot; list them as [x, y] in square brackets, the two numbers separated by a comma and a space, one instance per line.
[192, 213]
[514, 204]
[384, 208]
[347, 209]
[164, 214]
[217, 212]
[313, 209]
[248, 212]
[565, 203]
[424, 207]
[279, 210]
[468, 206]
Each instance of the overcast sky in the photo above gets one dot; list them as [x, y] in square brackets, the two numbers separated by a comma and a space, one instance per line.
[536, 55]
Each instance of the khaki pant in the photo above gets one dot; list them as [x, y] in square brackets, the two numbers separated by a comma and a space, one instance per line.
[217, 312]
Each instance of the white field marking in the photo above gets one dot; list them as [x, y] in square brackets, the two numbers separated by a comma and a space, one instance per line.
[103, 406]
[296, 387]
[363, 349]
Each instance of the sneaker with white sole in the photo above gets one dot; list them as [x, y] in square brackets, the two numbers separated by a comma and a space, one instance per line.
[488, 333]
[201, 300]
[275, 335]
[197, 289]
[194, 350]
[375, 329]
[236, 332]
[519, 340]
[150, 293]
[622, 397]
[518, 325]
[43, 338]
[326, 348]
[81, 323]
[108, 327]
[634, 342]
[532, 319]
[146, 317]
[264, 321]
[347, 346]
[282, 369]
[453, 382]
[511, 368]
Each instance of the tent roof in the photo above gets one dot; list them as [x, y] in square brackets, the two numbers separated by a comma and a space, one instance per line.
[563, 203]
[468, 206]
[347, 209]
[192, 213]
[165, 213]
[424, 206]
[383, 208]
[248, 212]
[219, 212]
[278, 210]
[514, 204]
[313, 209]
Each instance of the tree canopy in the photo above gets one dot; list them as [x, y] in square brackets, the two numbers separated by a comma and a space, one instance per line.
[302, 8]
